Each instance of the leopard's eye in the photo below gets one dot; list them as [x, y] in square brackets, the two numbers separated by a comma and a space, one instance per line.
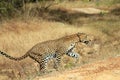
[86, 42]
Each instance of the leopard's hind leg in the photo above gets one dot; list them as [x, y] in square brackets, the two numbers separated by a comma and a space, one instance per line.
[44, 62]
[57, 62]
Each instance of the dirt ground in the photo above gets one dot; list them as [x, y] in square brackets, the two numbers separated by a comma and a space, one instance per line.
[108, 69]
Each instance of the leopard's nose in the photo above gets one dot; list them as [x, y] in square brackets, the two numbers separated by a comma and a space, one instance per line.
[90, 52]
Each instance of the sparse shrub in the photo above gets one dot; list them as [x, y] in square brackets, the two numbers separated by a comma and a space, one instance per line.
[116, 1]
[10, 8]
[69, 65]
[14, 8]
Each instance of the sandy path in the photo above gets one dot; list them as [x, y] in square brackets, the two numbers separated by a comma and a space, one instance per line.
[89, 10]
[102, 70]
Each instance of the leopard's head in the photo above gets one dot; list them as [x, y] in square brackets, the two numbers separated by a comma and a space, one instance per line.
[84, 38]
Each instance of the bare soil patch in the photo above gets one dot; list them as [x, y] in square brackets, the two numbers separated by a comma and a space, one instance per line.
[106, 69]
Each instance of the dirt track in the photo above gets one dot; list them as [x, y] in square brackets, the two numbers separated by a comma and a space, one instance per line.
[89, 10]
[103, 70]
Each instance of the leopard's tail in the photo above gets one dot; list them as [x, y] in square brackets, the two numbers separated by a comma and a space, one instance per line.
[13, 58]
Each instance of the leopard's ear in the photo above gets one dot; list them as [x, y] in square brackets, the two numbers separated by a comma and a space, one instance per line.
[78, 34]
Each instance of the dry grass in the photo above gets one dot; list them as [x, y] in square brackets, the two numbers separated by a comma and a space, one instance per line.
[17, 36]
[23, 35]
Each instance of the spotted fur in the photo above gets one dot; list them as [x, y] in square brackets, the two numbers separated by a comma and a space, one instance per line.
[44, 51]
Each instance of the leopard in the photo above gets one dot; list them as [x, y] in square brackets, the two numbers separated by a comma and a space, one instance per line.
[42, 52]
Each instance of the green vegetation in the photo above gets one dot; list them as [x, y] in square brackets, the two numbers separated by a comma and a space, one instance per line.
[16, 8]
[8, 8]
[69, 65]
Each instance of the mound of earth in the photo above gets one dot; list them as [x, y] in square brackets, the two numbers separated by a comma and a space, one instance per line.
[108, 69]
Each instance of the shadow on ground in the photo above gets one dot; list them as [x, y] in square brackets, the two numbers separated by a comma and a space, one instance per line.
[73, 17]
